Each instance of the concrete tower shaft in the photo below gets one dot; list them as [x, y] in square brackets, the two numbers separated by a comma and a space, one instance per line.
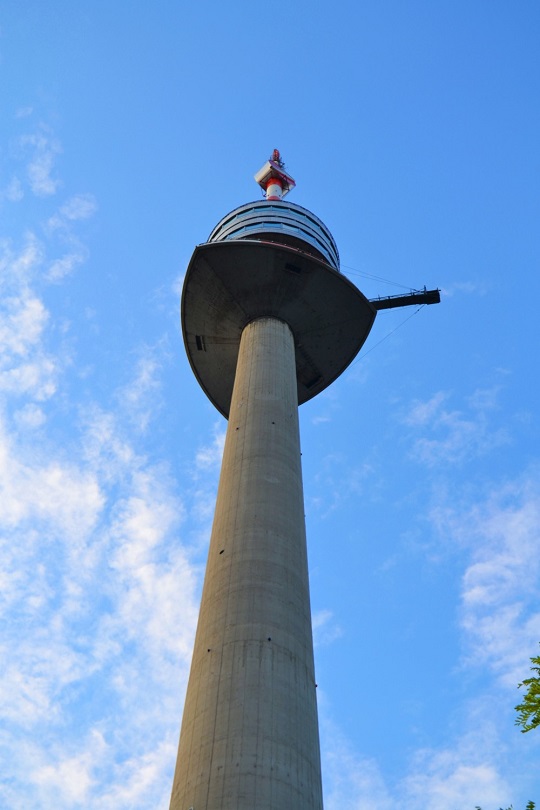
[249, 738]
[268, 322]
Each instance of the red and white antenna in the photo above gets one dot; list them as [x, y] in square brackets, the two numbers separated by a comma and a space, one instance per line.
[273, 179]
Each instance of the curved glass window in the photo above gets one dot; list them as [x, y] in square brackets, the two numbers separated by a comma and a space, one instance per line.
[286, 218]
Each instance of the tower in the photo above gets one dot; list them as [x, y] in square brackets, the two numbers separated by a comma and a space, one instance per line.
[268, 322]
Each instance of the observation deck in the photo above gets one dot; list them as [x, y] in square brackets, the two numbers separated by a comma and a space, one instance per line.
[271, 258]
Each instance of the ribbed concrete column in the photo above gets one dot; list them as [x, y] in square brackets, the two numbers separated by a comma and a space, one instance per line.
[249, 738]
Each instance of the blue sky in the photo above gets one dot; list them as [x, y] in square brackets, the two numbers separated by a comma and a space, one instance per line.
[127, 130]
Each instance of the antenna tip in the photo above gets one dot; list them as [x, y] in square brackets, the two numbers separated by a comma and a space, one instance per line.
[273, 179]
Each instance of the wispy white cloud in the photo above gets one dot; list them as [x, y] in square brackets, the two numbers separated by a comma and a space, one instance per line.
[98, 597]
[43, 148]
[37, 378]
[24, 112]
[464, 773]
[351, 781]
[320, 420]
[177, 285]
[139, 398]
[325, 628]
[69, 779]
[204, 481]
[26, 366]
[493, 528]
[60, 226]
[30, 416]
[78, 207]
[454, 435]
[463, 776]
[58, 776]
[209, 456]
[22, 324]
[99, 594]
[13, 192]
[17, 266]
[499, 592]
[46, 489]
[336, 481]
[423, 413]
[465, 288]
[142, 780]
[65, 265]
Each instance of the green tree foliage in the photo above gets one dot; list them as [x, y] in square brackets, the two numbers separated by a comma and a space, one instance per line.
[529, 709]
